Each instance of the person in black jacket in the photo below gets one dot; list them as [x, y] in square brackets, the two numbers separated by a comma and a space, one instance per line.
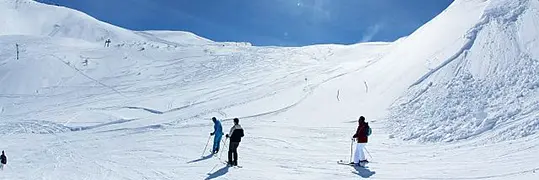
[3, 160]
[236, 133]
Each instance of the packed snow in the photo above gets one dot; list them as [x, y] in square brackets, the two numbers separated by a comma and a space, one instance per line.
[488, 88]
[457, 99]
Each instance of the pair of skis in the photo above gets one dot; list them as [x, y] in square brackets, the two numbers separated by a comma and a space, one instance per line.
[362, 164]
[226, 163]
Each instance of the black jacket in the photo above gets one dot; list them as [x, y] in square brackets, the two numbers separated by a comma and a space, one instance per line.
[4, 159]
[236, 133]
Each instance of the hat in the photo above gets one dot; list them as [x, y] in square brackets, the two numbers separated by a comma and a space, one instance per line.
[361, 119]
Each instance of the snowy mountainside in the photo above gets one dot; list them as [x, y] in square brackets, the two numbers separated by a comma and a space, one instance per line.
[26, 17]
[73, 109]
[140, 109]
[178, 37]
[175, 73]
[38, 65]
[490, 88]
[415, 55]
[51, 67]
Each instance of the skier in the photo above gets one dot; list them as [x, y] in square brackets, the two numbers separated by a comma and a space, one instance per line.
[218, 132]
[236, 133]
[3, 160]
[17, 48]
[107, 42]
[363, 130]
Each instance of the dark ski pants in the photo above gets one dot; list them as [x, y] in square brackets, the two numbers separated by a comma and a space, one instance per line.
[233, 151]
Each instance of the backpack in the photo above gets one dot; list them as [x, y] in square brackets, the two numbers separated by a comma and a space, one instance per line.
[368, 130]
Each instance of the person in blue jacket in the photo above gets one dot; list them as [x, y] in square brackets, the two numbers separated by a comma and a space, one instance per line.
[218, 132]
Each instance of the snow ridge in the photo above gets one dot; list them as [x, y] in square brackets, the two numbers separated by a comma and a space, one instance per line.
[493, 91]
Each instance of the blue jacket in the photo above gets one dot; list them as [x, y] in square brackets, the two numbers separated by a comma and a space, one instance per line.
[217, 128]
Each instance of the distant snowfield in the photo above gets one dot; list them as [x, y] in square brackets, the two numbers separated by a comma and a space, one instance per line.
[457, 99]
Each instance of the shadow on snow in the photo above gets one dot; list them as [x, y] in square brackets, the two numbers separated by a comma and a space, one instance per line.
[218, 173]
[363, 172]
[200, 159]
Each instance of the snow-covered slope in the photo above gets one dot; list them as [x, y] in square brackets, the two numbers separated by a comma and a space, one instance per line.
[489, 85]
[73, 109]
[177, 37]
[25, 17]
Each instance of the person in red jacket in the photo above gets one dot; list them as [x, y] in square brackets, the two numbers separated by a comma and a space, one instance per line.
[361, 138]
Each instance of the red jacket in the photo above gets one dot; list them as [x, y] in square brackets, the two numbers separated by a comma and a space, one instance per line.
[361, 135]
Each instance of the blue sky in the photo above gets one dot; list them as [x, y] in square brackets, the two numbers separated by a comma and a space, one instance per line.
[269, 22]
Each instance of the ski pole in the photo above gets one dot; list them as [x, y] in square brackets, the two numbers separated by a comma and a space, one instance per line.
[208, 142]
[224, 143]
[368, 152]
[221, 153]
[351, 148]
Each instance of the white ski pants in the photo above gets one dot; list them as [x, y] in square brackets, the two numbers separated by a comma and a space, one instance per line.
[359, 155]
